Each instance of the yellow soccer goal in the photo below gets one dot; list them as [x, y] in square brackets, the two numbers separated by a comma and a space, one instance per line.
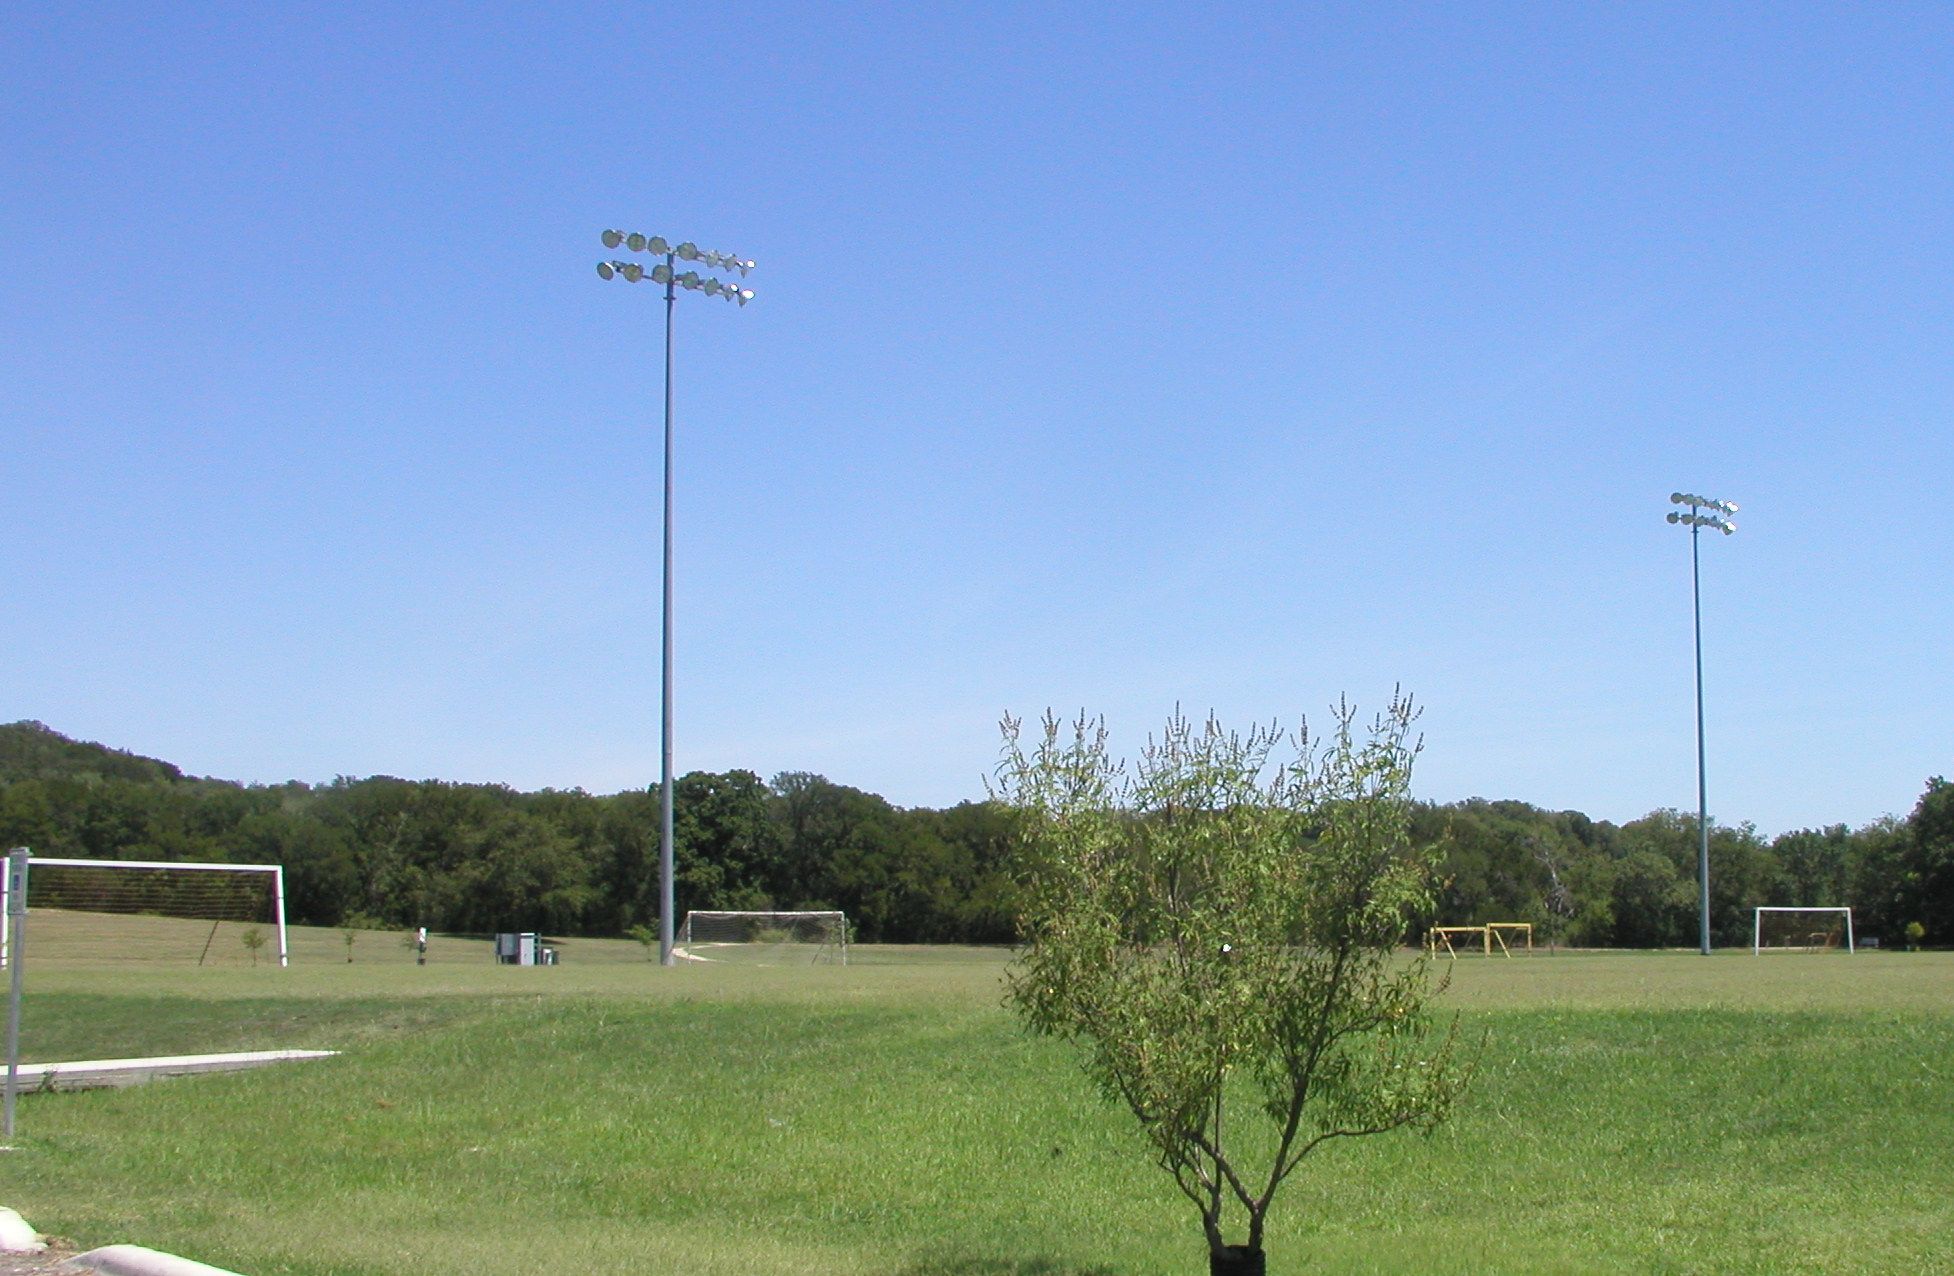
[1483, 937]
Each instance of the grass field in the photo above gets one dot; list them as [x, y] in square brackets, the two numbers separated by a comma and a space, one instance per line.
[1633, 1113]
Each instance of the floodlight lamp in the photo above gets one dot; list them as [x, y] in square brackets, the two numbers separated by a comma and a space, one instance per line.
[611, 238]
[1728, 528]
[745, 295]
[633, 272]
[690, 279]
[661, 274]
[606, 271]
[657, 244]
[1674, 517]
[635, 242]
[1730, 507]
[710, 288]
[689, 251]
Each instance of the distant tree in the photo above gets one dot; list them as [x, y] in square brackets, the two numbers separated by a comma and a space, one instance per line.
[1206, 931]
[1883, 890]
[253, 939]
[726, 846]
[516, 872]
[1652, 903]
[1931, 859]
[977, 899]
[1659, 906]
[1814, 867]
[624, 867]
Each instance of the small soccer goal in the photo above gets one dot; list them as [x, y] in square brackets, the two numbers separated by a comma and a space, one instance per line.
[147, 910]
[1506, 936]
[1801, 930]
[767, 936]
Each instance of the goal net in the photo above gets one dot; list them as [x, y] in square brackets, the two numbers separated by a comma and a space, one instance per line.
[781, 936]
[1806, 930]
[144, 910]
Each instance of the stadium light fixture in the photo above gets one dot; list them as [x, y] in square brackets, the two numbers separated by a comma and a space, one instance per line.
[1703, 512]
[665, 273]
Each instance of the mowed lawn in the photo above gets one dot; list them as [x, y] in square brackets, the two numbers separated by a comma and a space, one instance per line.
[1632, 1113]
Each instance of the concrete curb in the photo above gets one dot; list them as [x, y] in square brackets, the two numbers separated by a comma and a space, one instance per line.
[88, 1074]
[134, 1260]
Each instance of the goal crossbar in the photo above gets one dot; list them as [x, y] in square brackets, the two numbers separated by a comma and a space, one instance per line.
[1757, 925]
[276, 872]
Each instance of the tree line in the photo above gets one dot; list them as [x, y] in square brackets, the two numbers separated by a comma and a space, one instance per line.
[477, 858]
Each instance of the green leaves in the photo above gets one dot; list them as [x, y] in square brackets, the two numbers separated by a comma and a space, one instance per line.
[1212, 916]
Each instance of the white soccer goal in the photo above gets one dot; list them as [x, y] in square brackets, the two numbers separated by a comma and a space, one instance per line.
[156, 910]
[1807, 930]
[795, 936]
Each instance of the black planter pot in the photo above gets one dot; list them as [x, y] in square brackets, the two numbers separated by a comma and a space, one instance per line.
[1237, 1260]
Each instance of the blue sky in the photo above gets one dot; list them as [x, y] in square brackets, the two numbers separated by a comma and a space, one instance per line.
[1109, 357]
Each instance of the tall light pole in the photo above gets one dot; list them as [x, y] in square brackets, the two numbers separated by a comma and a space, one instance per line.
[1696, 520]
[669, 275]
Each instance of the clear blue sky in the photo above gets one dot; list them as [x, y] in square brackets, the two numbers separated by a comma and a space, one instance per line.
[1109, 357]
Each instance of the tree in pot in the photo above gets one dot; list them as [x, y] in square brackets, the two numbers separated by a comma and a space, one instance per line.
[1220, 934]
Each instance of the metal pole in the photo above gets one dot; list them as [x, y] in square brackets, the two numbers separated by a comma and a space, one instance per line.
[16, 923]
[1702, 783]
[665, 803]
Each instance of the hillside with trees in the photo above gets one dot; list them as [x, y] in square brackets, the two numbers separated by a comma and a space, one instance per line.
[475, 858]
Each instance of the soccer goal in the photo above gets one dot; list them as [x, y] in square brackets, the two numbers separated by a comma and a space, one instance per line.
[149, 910]
[1807, 930]
[790, 936]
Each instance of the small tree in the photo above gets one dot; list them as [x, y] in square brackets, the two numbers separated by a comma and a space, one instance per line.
[1211, 930]
[253, 939]
[646, 936]
[350, 927]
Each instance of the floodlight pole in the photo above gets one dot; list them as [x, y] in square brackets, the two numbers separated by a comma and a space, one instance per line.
[669, 276]
[665, 870]
[1702, 767]
[15, 920]
[1696, 521]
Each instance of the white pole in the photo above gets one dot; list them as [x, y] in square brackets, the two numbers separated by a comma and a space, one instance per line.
[278, 899]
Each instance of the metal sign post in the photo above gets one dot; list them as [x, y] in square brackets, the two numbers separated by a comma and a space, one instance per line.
[16, 923]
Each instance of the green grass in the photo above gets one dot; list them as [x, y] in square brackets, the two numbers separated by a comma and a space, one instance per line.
[1632, 1113]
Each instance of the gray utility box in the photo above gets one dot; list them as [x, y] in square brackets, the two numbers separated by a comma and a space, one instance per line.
[523, 948]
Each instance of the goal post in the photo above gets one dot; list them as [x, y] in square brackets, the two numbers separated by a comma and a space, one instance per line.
[1781, 929]
[253, 894]
[1484, 937]
[1520, 933]
[826, 931]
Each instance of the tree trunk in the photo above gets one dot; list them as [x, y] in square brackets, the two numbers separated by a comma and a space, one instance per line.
[1236, 1260]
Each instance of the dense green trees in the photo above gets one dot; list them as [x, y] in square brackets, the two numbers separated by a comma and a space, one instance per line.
[477, 857]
